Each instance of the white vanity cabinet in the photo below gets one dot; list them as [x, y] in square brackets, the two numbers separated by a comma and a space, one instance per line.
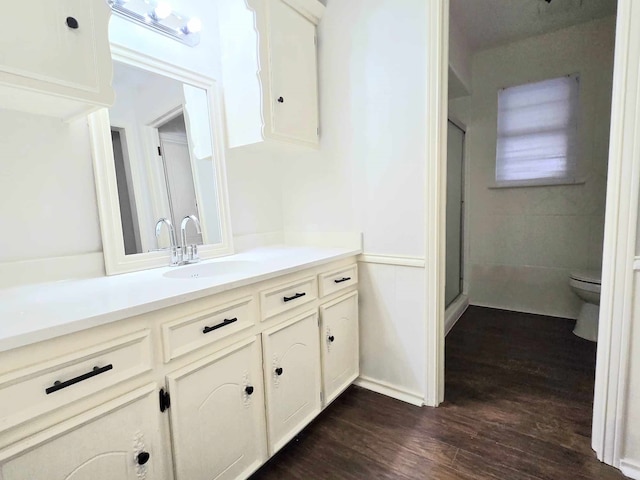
[291, 377]
[205, 388]
[56, 58]
[339, 344]
[217, 415]
[119, 440]
[270, 75]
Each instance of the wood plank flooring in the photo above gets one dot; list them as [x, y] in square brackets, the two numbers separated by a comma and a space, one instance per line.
[519, 392]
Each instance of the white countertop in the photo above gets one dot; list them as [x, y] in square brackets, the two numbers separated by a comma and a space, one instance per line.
[32, 313]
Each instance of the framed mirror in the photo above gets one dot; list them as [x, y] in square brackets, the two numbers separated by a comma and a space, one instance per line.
[159, 158]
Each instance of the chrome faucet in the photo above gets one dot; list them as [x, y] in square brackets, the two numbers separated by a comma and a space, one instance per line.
[189, 252]
[176, 255]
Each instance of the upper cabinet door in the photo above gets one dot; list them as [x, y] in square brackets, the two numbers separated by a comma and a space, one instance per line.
[55, 58]
[292, 377]
[119, 440]
[294, 84]
[217, 415]
[269, 68]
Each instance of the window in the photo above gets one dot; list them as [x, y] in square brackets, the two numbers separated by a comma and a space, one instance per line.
[537, 133]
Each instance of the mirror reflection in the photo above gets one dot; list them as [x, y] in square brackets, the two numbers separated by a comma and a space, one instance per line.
[163, 153]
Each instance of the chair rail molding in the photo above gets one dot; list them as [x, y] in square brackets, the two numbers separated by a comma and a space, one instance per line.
[396, 260]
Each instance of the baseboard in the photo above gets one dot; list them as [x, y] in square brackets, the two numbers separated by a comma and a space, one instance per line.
[52, 269]
[389, 390]
[454, 312]
[630, 468]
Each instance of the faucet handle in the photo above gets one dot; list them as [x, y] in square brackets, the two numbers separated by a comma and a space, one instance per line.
[194, 253]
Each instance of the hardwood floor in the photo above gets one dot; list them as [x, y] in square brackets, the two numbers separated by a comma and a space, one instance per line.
[519, 392]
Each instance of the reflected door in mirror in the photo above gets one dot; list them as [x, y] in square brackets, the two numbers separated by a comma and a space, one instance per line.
[163, 155]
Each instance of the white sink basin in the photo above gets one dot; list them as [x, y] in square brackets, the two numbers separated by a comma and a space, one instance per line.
[213, 269]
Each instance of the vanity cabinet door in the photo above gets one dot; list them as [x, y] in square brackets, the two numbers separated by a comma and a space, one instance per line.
[294, 81]
[292, 377]
[119, 440]
[56, 47]
[339, 343]
[217, 415]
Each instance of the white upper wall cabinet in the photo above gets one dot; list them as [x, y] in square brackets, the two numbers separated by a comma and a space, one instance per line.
[55, 58]
[269, 66]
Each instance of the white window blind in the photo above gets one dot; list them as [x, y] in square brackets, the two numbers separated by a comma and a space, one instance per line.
[537, 133]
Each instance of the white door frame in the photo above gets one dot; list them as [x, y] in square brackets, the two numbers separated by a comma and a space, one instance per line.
[620, 224]
[436, 194]
[609, 410]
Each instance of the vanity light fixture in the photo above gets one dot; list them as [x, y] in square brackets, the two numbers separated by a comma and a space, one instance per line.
[158, 15]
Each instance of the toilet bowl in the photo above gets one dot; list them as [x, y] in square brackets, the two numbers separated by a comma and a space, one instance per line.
[586, 285]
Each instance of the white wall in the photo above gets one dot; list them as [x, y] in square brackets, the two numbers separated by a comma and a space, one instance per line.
[48, 205]
[369, 174]
[524, 242]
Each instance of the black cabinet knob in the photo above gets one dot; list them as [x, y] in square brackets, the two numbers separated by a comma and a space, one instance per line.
[72, 23]
[280, 100]
[331, 338]
[143, 457]
[248, 389]
[279, 371]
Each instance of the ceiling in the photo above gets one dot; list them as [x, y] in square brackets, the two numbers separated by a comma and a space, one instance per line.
[488, 23]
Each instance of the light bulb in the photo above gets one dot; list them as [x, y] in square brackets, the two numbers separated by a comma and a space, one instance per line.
[194, 25]
[162, 10]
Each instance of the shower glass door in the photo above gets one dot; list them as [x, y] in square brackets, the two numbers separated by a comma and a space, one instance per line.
[455, 212]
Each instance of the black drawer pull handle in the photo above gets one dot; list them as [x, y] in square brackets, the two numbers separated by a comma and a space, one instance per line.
[58, 385]
[343, 279]
[280, 100]
[72, 23]
[248, 389]
[225, 322]
[279, 371]
[331, 338]
[297, 295]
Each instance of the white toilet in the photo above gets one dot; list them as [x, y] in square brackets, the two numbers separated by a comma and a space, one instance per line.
[586, 285]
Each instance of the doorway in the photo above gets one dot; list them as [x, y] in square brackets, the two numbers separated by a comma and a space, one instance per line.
[497, 196]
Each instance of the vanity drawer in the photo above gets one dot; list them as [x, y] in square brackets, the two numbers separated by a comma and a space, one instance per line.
[203, 328]
[34, 391]
[285, 297]
[337, 280]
